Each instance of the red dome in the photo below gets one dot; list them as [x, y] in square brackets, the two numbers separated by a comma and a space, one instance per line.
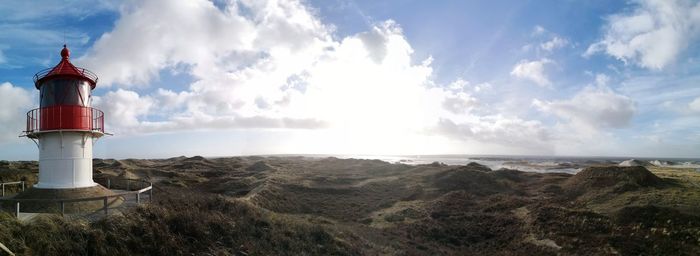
[65, 53]
[65, 69]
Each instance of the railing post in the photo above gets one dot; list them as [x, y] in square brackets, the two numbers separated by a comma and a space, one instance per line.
[17, 209]
[104, 202]
[150, 194]
[63, 208]
[23, 186]
[109, 183]
[3, 190]
[128, 185]
[138, 198]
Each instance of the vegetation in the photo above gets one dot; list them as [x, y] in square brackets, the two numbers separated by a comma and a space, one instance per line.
[26, 171]
[177, 224]
[330, 206]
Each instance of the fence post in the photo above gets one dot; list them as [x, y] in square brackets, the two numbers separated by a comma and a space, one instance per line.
[109, 183]
[104, 201]
[138, 198]
[17, 209]
[150, 194]
[63, 208]
[22, 185]
[3, 190]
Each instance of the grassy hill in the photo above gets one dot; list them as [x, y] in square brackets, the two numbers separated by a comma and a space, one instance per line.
[330, 206]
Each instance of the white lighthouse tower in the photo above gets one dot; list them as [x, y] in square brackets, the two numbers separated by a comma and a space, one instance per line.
[65, 126]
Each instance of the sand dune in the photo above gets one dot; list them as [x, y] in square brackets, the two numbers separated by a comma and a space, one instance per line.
[375, 207]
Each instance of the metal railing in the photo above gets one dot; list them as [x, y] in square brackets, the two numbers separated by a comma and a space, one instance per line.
[61, 203]
[82, 71]
[4, 248]
[65, 117]
[21, 183]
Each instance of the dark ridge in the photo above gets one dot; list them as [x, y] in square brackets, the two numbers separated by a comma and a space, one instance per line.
[478, 167]
[259, 166]
[178, 158]
[470, 180]
[619, 179]
[510, 174]
[437, 164]
[194, 163]
[195, 158]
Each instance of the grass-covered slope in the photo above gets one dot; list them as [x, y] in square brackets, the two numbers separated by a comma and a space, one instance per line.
[330, 206]
[179, 223]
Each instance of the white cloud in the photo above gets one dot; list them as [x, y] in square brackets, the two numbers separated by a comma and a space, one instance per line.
[533, 71]
[152, 35]
[538, 30]
[497, 129]
[556, 43]
[602, 80]
[14, 103]
[169, 100]
[274, 65]
[586, 120]
[695, 105]
[273, 61]
[482, 86]
[461, 85]
[592, 108]
[652, 35]
[458, 85]
[123, 108]
[459, 103]
[375, 42]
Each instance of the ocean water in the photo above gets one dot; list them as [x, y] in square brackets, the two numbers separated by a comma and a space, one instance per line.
[531, 163]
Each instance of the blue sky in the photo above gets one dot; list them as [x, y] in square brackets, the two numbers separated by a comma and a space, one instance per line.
[585, 78]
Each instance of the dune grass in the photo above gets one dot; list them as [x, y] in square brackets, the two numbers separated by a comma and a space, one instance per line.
[330, 206]
[179, 223]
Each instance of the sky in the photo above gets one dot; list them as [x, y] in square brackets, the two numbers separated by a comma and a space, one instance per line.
[400, 77]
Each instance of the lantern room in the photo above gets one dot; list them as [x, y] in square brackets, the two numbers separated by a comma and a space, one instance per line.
[65, 99]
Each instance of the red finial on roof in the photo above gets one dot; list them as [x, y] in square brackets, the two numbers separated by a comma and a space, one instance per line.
[65, 53]
[65, 69]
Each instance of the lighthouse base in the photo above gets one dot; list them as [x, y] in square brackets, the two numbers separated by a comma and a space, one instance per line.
[55, 195]
[65, 160]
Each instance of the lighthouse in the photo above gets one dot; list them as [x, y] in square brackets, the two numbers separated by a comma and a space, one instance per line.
[65, 126]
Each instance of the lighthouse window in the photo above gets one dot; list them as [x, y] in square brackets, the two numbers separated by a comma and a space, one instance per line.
[65, 92]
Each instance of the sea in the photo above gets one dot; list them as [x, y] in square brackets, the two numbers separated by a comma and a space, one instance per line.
[533, 163]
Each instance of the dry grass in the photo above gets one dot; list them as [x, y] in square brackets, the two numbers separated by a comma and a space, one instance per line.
[180, 223]
[26, 171]
[330, 206]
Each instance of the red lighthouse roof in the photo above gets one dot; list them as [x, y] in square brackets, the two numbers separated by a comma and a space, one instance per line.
[65, 69]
